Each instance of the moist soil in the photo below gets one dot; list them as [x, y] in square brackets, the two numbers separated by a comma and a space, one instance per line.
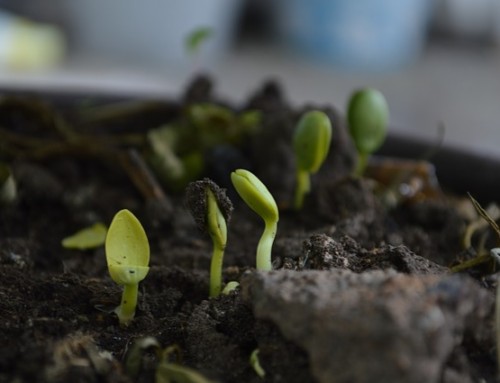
[56, 320]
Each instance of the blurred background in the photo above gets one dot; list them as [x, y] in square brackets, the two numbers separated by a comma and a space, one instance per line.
[437, 61]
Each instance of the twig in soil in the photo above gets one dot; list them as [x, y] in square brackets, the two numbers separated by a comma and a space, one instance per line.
[141, 176]
[483, 256]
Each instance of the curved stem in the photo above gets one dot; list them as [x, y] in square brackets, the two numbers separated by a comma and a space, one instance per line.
[361, 164]
[216, 271]
[126, 310]
[303, 187]
[265, 246]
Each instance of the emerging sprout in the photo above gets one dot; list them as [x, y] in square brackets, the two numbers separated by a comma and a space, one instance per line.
[87, 238]
[8, 188]
[168, 367]
[311, 143]
[367, 117]
[196, 38]
[127, 255]
[230, 287]
[260, 200]
[255, 363]
[211, 208]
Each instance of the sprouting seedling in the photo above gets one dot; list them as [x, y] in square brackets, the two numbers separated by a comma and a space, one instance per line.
[211, 209]
[230, 287]
[311, 143]
[260, 200]
[127, 255]
[168, 367]
[88, 238]
[367, 117]
[196, 38]
[255, 363]
[8, 188]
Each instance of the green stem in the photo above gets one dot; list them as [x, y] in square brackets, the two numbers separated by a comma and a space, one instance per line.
[216, 271]
[303, 187]
[126, 310]
[361, 164]
[265, 246]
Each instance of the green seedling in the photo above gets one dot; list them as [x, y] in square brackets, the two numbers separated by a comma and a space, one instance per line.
[211, 209]
[482, 256]
[168, 369]
[127, 255]
[89, 238]
[367, 117]
[230, 287]
[255, 363]
[196, 38]
[260, 200]
[8, 188]
[311, 144]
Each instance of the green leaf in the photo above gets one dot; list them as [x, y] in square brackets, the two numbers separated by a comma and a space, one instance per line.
[87, 238]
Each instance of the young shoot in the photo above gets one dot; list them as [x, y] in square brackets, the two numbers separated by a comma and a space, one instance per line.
[367, 117]
[127, 255]
[88, 238]
[255, 363]
[311, 143]
[211, 208]
[230, 287]
[260, 200]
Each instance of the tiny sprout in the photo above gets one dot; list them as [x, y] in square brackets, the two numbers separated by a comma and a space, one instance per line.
[254, 362]
[8, 188]
[367, 117]
[230, 287]
[311, 143]
[260, 200]
[87, 238]
[127, 255]
[211, 208]
[196, 38]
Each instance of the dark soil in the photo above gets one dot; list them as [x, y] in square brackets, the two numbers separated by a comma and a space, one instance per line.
[55, 324]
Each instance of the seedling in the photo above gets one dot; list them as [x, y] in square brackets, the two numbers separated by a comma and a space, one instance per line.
[211, 208]
[168, 367]
[260, 200]
[87, 238]
[255, 363]
[367, 117]
[8, 188]
[127, 255]
[311, 143]
[230, 287]
[196, 38]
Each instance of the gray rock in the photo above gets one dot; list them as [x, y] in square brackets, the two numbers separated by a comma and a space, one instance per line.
[378, 326]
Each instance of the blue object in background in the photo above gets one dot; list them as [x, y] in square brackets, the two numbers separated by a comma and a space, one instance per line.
[368, 35]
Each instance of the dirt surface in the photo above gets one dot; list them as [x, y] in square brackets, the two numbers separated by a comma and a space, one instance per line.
[391, 264]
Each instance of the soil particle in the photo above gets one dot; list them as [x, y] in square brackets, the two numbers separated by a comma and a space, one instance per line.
[342, 319]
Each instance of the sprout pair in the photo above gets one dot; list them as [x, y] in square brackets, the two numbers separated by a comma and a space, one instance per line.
[211, 209]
